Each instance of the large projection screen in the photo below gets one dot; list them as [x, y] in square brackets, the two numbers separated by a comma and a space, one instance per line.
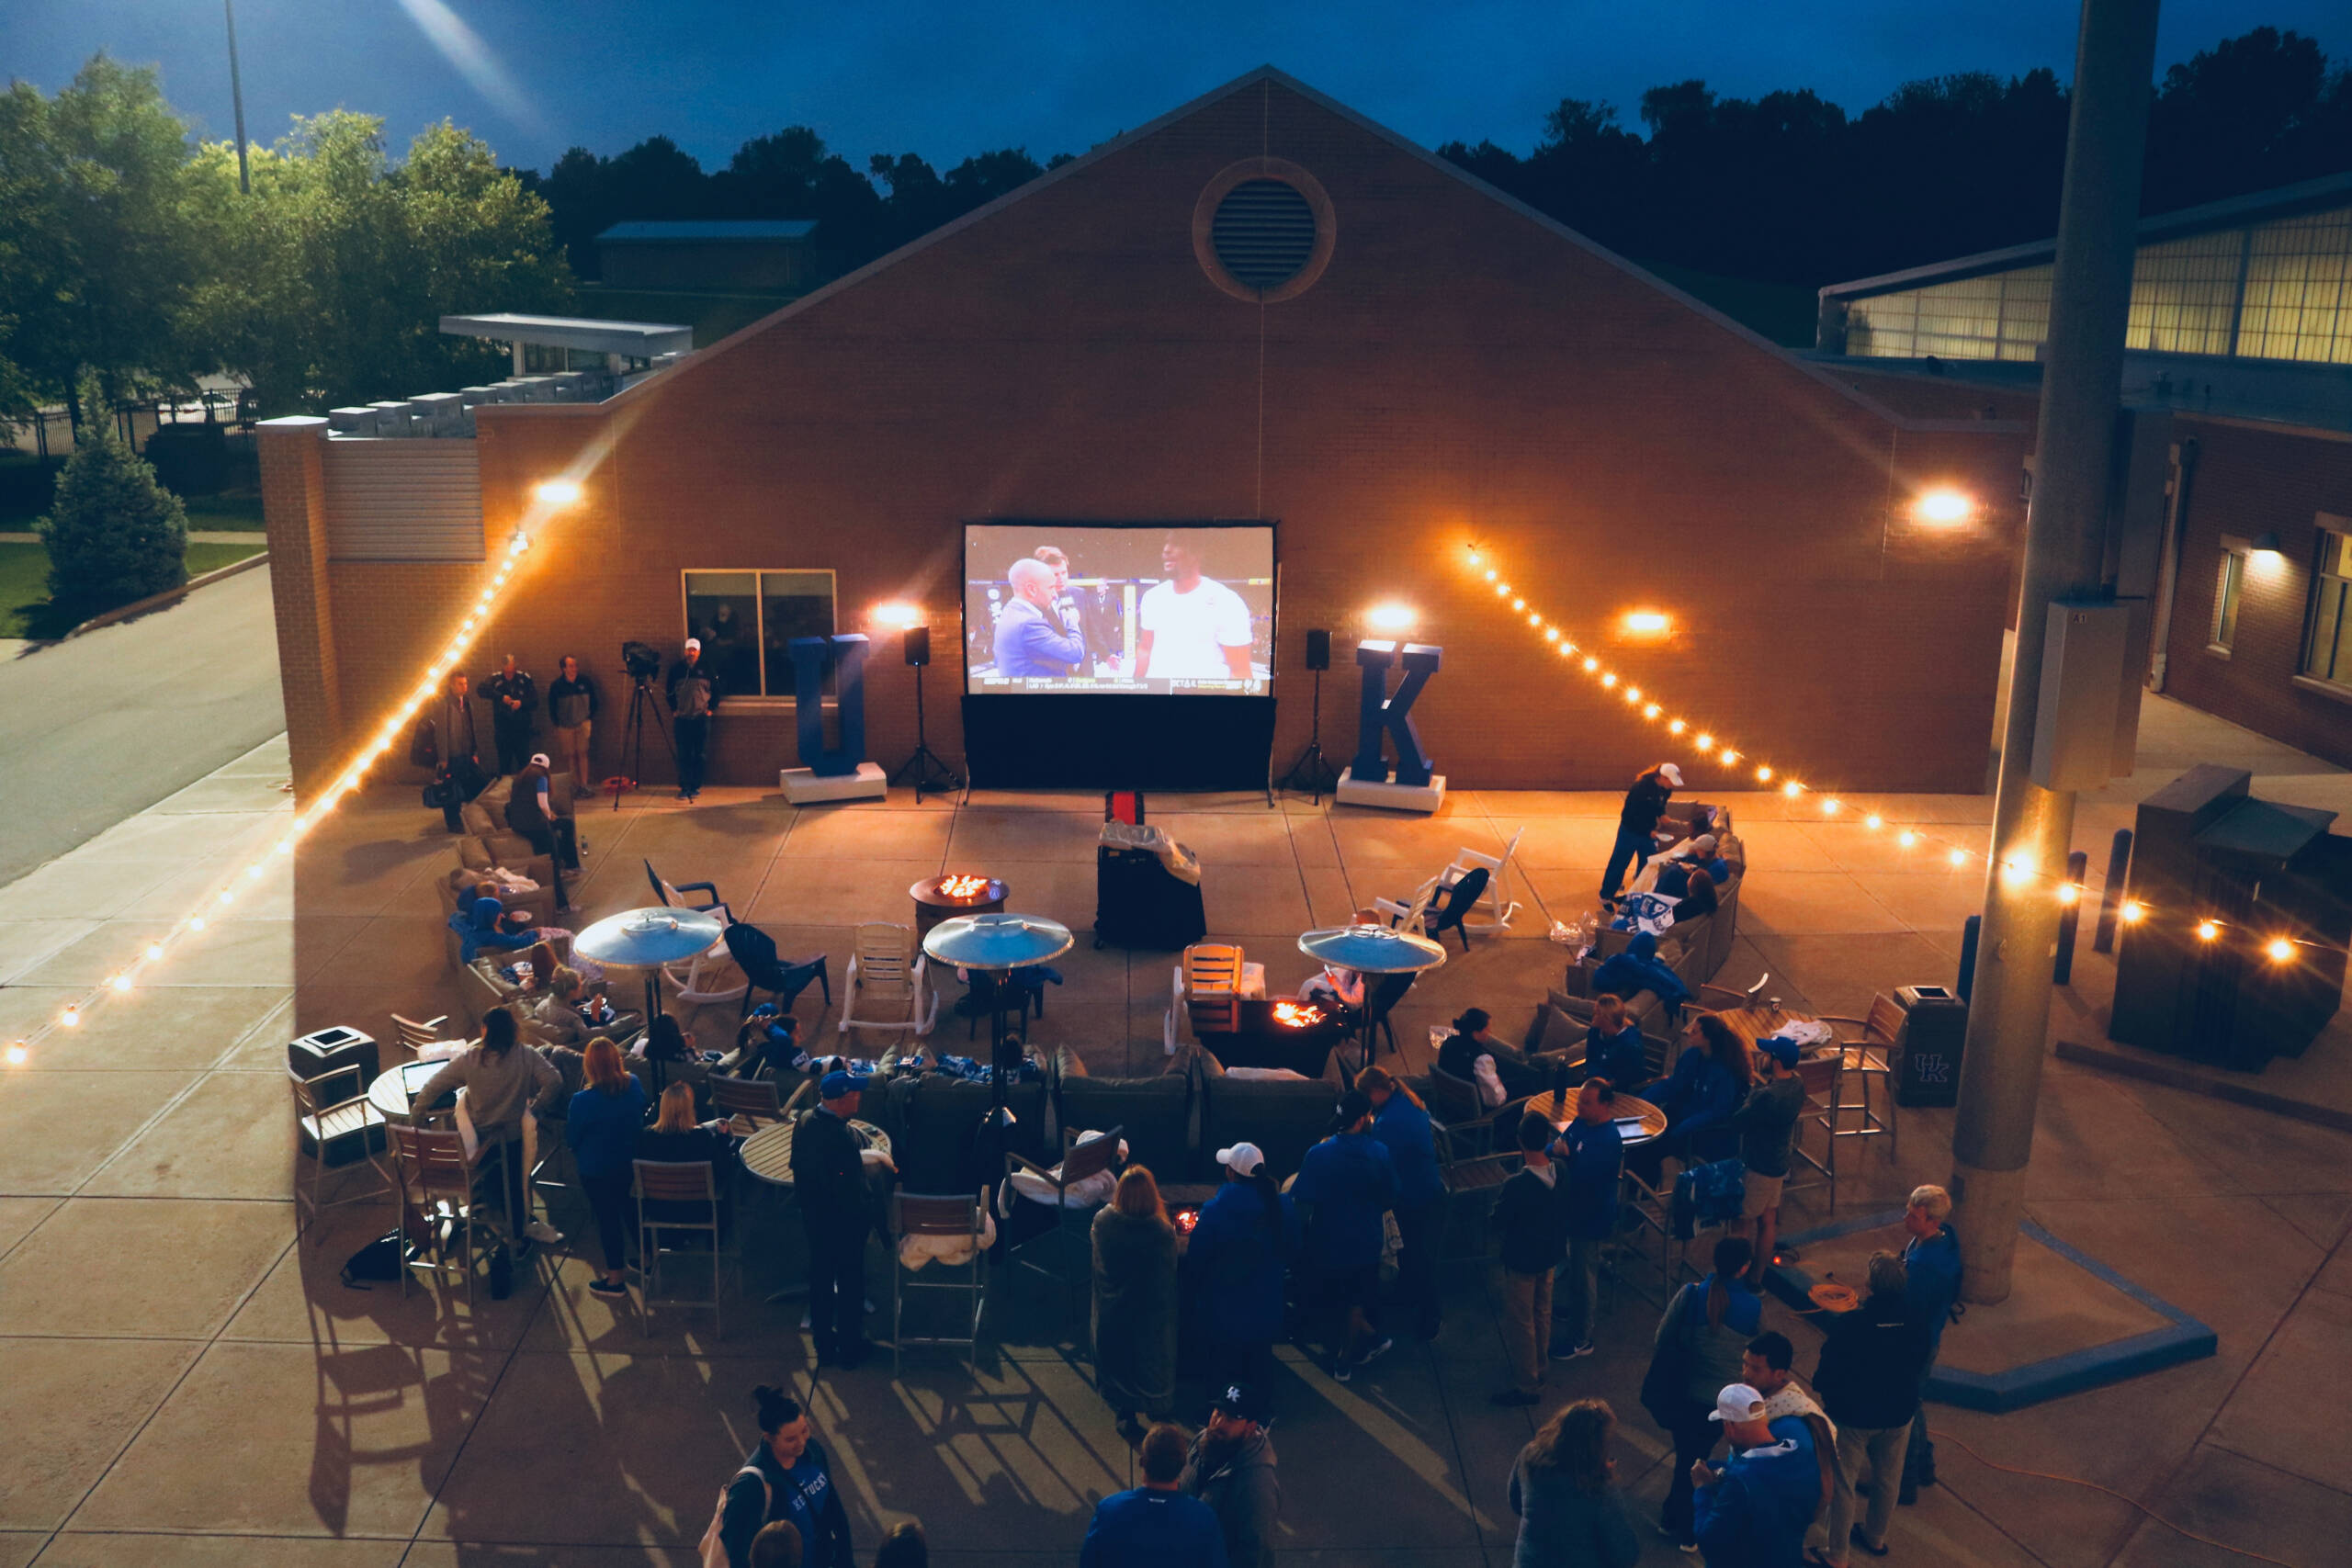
[1061, 609]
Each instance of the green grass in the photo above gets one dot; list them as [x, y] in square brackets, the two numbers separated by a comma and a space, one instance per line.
[24, 607]
[228, 511]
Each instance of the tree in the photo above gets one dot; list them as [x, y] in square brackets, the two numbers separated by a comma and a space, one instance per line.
[114, 534]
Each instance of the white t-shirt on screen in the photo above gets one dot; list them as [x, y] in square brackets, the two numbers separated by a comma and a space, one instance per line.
[1191, 631]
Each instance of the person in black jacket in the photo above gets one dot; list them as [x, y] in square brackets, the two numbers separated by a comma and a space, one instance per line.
[1532, 1216]
[786, 1477]
[446, 742]
[828, 1177]
[693, 688]
[571, 709]
[1636, 824]
[1868, 1383]
[514, 698]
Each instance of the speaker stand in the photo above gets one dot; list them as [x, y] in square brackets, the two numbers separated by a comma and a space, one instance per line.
[1312, 771]
[926, 768]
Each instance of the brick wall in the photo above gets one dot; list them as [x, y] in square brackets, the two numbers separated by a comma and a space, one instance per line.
[294, 506]
[1460, 372]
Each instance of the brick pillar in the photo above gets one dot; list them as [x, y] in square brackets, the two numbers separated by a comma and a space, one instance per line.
[294, 510]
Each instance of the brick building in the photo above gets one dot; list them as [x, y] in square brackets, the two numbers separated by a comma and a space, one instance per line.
[1435, 366]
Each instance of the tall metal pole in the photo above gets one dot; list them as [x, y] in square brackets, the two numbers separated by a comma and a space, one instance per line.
[2065, 537]
[237, 96]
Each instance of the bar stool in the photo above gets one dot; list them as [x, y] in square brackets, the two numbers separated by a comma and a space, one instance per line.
[1868, 1065]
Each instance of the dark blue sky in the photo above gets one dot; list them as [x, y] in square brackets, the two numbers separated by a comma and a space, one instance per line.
[946, 80]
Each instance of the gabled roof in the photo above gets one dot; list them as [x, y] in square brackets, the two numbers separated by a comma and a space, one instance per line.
[1268, 73]
[731, 232]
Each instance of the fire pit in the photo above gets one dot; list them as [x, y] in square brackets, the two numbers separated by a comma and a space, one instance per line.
[1298, 1015]
[958, 893]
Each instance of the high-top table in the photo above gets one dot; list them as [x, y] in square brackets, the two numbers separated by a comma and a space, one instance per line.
[1638, 1119]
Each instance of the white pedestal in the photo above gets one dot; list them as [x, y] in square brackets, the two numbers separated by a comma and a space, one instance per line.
[803, 787]
[1392, 796]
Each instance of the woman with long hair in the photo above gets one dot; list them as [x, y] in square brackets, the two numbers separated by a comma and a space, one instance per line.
[785, 1476]
[1239, 1259]
[1400, 1124]
[503, 1084]
[602, 1126]
[1711, 1078]
[1135, 1301]
[1697, 1349]
[1564, 1489]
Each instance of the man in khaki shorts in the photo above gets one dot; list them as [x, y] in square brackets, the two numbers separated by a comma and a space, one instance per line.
[1767, 1124]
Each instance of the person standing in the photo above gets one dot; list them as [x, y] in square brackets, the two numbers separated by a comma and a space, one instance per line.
[571, 709]
[1767, 1124]
[1530, 1217]
[1564, 1489]
[829, 1177]
[514, 709]
[1239, 1256]
[1402, 1125]
[693, 688]
[1698, 1348]
[1135, 1302]
[1591, 1157]
[1155, 1526]
[502, 1084]
[1868, 1377]
[1346, 1183]
[446, 742]
[1231, 1468]
[786, 1477]
[1755, 1510]
[1637, 826]
[530, 811]
[1032, 642]
[1931, 1263]
[601, 1125]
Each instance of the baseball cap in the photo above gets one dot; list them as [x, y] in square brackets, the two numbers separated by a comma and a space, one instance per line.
[1737, 1401]
[1241, 1400]
[1242, 1159]
[1703, 841]
[539, 759]
[1670, 774]
[835, 1084]
[1781, 1048]
[694, 645]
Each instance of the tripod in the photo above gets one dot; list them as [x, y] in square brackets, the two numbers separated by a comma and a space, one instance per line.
[1313, 771]
[925, 767]
[641, 697]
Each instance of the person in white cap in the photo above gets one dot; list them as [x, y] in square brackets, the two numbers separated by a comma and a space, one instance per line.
[530, 811]
[1755, 1510]
[1235, 1262]
[1637, 826]
[694, 698]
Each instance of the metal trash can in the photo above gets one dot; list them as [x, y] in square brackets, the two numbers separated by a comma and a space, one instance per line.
[1927, 1053]
[325, 1050]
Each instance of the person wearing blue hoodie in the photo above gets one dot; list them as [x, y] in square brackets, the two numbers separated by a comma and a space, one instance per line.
[1613, 1047]
[1931, 1262]
[1753, 1512]
[1401, 1122]
[1709, 1081]
[1155, 1526]
[1346, 1183]
[1234, 1265]
[1698, 1348]
[1591, 1158]
[482, 927]
[1639, 969]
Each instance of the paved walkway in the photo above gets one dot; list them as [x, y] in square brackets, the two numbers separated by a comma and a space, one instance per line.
[185, 1385]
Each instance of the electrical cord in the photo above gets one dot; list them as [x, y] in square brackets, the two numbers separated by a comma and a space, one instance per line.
[2095, 1486]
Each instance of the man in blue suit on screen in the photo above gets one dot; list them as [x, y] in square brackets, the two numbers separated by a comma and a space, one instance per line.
[1031, 640]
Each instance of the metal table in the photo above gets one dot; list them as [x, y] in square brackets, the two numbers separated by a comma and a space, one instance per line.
[767, 1154]
[394, 1090]
[1630, 1108]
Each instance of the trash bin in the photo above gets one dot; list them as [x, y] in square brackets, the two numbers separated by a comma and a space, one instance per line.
[1927, 1053]
[325, 1050]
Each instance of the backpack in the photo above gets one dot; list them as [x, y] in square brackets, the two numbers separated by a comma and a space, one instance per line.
[713, 1550]
[379, 1261]
[1709, 1194]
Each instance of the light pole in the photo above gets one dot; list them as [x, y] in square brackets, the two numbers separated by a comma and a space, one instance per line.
[2065, 550]
[237, 96]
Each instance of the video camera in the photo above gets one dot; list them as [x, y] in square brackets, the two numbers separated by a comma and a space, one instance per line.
[642, 660]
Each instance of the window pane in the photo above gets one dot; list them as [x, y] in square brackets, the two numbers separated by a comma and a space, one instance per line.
[2226, 609]
[2330, 656]
[722, 608]
[797, 603]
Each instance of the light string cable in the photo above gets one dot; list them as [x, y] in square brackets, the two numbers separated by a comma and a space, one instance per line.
[549, 499]
[1580, 656]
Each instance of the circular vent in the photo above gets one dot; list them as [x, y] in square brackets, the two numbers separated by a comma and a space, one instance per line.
[1264, 232]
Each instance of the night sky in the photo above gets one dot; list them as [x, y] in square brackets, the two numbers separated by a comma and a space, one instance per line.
[946, 80]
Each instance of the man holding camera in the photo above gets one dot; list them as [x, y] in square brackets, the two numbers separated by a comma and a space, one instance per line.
[693, 697]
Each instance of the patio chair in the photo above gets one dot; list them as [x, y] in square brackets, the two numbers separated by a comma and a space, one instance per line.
[1079, 1162]
[1868, 1062]
[707, 977]
[414, 1035]
[747, 1100]
[1410, 913]
[754, 953]
[1462, 1126]
[332, 1114]
[1380, 1000]
[437, 1183]
[679, 1196]
[887, 982]
[1820, 1076]
[673, 895]
[951, 1217]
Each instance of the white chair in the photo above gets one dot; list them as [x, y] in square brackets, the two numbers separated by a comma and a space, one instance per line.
[887, 984]
[1409, 913]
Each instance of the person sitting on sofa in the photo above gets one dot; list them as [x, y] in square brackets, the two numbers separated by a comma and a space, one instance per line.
[1522, 1072]
[1614, 1047]
[1639, 969]
[485, 926]
[1692, 889]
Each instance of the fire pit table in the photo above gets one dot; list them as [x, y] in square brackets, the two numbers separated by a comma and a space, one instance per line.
[941, 898]
[1278, 1033]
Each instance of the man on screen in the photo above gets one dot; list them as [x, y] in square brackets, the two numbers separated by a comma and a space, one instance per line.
[1032, 643]
[1190, 627]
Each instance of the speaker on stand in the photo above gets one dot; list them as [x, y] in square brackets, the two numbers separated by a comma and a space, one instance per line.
[1312, 771]
[926, 769]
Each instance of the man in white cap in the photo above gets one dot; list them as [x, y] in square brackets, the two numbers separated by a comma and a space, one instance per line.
[1755, 1510]
[694, 698]
[1235, 1261]
[1637, 826]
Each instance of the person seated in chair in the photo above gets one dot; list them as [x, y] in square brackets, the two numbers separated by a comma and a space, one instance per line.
[485, 926]
[1692, 888]
[1522, 1073]
[765, 1045]
[1613, 1047]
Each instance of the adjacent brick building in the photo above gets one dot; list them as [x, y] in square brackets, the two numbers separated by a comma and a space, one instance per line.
[1447, 368]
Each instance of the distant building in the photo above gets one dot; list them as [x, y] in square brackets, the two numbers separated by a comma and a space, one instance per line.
[2237, 378]
[775, 257]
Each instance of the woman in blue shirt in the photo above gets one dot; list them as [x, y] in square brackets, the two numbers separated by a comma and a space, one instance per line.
[1703, 1334]
[1710, 1080]
[602, 1125]
[1401, 1125]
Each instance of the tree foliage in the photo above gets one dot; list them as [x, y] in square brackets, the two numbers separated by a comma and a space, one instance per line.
[114, 534]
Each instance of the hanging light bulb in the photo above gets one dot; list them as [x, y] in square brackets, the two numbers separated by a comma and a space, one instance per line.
[1763, 775]
[1829, 807]
[1908, 837]
[2280, 950]
[2133, 911]
[1874, 820]
[2068, 893]
[2207, 930]
[1676, 726]
[1730, 756]
[1792, 788]
[1958, 857]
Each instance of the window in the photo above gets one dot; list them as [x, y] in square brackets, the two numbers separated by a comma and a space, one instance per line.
[747, 621]
[2225, 602]
[2327, 656]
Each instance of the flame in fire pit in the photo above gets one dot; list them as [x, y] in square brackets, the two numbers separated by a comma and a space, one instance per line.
[963, 886]
[1298, 1015]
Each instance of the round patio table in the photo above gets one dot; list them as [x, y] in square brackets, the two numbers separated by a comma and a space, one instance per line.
[1638, 1119]
[395, 1089]
[767, 1154]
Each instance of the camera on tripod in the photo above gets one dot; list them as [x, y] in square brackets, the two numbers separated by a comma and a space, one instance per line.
[642, 660]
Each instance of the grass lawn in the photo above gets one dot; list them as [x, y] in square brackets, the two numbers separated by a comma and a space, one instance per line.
[229, 512]
[24, 609]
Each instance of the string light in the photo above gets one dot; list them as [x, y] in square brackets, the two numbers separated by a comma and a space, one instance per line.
[1960, 857]
[1908, 837]
[2280, 950]
[2068, 893]
[1676, 728]
[1763, 775]
[18, 1054]
[1874, 821]
[2133, 911]
[2207, 930]
[120, 982]
[1791, 789]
